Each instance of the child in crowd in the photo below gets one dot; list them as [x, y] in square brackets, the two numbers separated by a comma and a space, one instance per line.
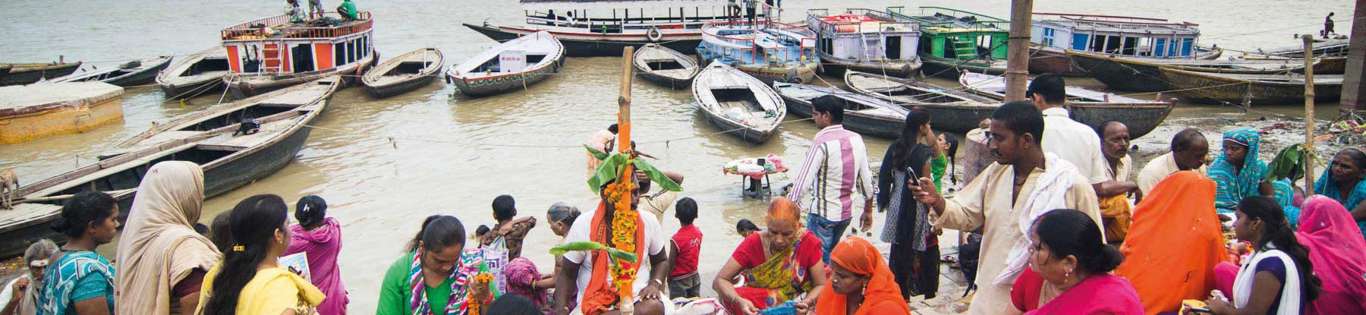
[745, 227]
[320, 238]
[684, 281]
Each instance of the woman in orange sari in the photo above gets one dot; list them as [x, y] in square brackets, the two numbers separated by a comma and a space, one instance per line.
[1174, 243]
[779, 265]
[861, 284]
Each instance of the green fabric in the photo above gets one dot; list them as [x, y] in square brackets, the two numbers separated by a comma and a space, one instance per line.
[394, 295]
[938, 165]
[95, 285]
[348, 10]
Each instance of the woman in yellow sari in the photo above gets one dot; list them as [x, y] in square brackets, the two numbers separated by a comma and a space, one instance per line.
[779, 265]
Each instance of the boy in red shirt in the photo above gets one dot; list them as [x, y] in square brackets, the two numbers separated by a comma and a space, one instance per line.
[687, 244]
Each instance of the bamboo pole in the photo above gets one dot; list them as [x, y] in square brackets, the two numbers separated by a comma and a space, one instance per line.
[624, 100]
[1308, 112]
[1017, 62]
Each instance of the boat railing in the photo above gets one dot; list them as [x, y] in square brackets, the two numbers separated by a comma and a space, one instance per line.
[884, 22]
[1114, 19]
[282, 27]
[700, 15]
[948, 17]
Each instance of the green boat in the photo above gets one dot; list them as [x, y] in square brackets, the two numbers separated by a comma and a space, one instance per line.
[954, 40]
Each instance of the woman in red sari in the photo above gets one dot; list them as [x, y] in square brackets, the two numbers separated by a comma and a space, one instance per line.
[779, 265]
[1068, 253]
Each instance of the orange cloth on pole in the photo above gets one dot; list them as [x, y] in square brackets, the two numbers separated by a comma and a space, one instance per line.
[599, 296]
[881, 295]
[1174, 243]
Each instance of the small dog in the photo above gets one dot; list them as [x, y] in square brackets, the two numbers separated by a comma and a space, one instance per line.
[9, 186]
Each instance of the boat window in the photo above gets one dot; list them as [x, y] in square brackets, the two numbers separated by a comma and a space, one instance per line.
[339, 54]
[1079, 41]
[303, 57]
[1187, 44]
[251, 58]
[1145, 46]
[1130, 46]
[1160, 47]
[893, 47]
[1048, 37]
[350, 51]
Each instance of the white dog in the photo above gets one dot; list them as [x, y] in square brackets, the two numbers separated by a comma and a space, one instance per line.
[9, 186]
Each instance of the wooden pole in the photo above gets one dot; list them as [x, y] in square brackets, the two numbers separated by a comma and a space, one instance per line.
[1308, 112]
[1017, 62]
[624, 101]
[1353, 87]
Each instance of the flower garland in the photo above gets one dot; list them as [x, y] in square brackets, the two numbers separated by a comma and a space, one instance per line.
[478, 292]
[623, 232]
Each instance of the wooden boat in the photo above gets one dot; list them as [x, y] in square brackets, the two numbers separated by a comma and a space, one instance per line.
[1089, 107]
[27, 73]
[737, 103]
[865, 40]
[1143, 75]
[591, 31]
[949, 109]
[1251, 89]
[195, 74]
[769, 51]
[862, 114]
[273, 53]
[137, 72]
[38, 110]
[511, 65]
[665, 66]
[945, 55]
[1053, 34]
[404, 73]
[1332, 47]
[229, 161]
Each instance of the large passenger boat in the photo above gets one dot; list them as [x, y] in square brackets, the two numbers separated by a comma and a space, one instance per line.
[276, 52]
[1055, 34]
[865, 40]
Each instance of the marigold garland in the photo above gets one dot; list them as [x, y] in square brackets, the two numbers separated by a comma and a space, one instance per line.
[478, 292]
[623, 232]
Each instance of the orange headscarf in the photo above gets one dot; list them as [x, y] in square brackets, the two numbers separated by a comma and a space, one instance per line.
[1174, 243]
[880, 296]
[599, 296]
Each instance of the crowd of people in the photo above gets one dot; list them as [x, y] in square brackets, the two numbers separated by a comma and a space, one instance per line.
[1059, 221]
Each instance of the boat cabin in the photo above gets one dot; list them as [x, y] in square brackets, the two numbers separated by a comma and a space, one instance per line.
[1119, 35]
[664, 18]
[955, 34]
[766, 43]
[276, 46]
[863, 35]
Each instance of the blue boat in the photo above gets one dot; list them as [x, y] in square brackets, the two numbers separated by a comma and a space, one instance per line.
[769, 51]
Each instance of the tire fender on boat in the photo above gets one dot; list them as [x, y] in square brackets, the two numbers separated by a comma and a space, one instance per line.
[653, 34]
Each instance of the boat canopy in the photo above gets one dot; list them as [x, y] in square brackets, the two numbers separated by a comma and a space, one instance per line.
[274, 45]
[1122, 35]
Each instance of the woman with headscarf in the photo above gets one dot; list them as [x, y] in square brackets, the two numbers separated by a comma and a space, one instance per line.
[161, 259]
[779, 265]
[1174, 243]
[914, 257]
[860, 283]
[1345, 181]
[1240, 174]
[1335, 250]
[1069, 254]
[21, 294]
[319, 237]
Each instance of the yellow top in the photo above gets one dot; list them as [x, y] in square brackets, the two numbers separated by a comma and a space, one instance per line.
[270, 292]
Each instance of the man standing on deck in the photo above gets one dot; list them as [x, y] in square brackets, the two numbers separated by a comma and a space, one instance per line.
[1328, 25]
[834, 177]
[1023, 184]
[1067, 138]
[1114, 193]
[1188, 151]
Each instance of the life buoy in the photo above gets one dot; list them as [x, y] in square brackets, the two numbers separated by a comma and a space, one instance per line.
[653, 34]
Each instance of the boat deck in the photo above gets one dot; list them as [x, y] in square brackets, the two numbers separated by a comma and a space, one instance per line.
[16, 100]
[25, 214]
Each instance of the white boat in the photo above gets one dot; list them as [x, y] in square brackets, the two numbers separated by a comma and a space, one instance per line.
[195, 74]
[738, 103]
[865, 40]
[511, 65]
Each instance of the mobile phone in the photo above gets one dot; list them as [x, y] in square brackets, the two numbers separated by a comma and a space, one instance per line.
[1200, 310]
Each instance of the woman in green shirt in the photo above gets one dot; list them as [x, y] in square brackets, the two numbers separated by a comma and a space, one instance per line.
[426, 278]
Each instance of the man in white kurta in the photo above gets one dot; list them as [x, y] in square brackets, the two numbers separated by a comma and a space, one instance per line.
[1072, 141]
[1189, 149]
[992, 203]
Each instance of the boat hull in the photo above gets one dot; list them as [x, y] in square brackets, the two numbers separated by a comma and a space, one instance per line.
[602, 47]
[1206, 88]
[405, 86]
[259, 84]
[25, 123]
[488, 86]
[897, 68]
[958, 118]
[746, 133]
[1139, 118]
[20, 76]
[143, 76]
[1055, 61]
[1124, 76]
[952, 68]
[882, 127]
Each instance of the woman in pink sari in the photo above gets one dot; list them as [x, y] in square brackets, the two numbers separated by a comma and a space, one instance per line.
[1335, 250]
[319, 237]
[1068, 253]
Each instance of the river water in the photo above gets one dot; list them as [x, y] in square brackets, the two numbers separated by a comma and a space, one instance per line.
[384, 165]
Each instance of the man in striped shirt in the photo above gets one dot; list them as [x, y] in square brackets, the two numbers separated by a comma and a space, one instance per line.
[834, 177]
